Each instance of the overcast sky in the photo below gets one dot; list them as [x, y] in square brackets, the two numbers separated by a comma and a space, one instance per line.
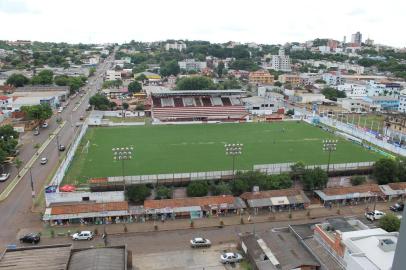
[260, 21]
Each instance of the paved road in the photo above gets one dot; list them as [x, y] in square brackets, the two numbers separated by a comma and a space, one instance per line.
[15, 211]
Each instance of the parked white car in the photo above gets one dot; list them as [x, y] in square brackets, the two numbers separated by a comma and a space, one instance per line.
[230, 257]
[374, 215]
[44, 161]
[200, 242]
[4, 177]
[83, 235]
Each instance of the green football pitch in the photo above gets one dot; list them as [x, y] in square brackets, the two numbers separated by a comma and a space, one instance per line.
[162, 149]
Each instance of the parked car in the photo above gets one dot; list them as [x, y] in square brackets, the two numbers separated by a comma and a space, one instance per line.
[81, 117]
[32, 238]
[230, 257]
[61, 147]
[397, 207]
[36, 132]
[44, 161]
[374, 215]
[51, 189]
[45, 125]
[4, 177]
[60, 109]
[83, 235]
[200, 242]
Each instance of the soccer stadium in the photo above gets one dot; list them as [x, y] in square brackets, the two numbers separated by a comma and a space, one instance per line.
[162, 149]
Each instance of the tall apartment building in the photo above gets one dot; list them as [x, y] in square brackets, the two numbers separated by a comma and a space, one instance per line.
[191, 64]
[281, 61]
[175, 46]
[356, 38]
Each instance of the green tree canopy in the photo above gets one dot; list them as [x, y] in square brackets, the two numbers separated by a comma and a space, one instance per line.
[197, 189]
[17, 80]
[134, 87]
[221, 188]
[112, 84]
[137, 193]
[100, 102]
[314, 179]
[332, 93]
[385, 171]
[46, 76]
[357, 180]
[163, 192]
[39, 112]
[169, 68]
[390, 223]
[195, 83]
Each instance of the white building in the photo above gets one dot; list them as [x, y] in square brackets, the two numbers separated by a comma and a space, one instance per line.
[281, 62]
[402, 101]
[333, 79]
[324, 49]
[112, 75]
[309, 98]
[191, 64]
[175, 46]
[383, 89]
[356, 38]
[372, 249]
[353, 90]
[261, 105]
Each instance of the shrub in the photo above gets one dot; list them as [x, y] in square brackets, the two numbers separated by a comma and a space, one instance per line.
[358, 180]
[197, 189]
[390, 223]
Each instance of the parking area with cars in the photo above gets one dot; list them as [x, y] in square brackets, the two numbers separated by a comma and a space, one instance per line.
[201, 258]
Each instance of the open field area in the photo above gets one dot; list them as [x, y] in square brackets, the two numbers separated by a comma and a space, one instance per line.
[199, 148]
[373, 122]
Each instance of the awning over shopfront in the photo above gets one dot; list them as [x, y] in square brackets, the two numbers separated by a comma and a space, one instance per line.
[283, 200]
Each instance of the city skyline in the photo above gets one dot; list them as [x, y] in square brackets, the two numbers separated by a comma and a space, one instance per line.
[218, 22]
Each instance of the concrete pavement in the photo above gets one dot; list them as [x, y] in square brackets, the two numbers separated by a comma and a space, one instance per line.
[15, 211]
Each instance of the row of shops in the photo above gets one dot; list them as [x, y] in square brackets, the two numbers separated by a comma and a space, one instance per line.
[96, 212]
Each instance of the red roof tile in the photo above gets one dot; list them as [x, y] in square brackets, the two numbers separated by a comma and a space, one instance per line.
[397, 186]
[196, 201]
[355, 189]
[88, 208]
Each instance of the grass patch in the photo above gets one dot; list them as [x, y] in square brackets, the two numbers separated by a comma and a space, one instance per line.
[368, 121]
[199, 148]
[125, 119]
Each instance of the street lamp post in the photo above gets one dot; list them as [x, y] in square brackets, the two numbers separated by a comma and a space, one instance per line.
[122, 154]
[329, 146]
[233, 150]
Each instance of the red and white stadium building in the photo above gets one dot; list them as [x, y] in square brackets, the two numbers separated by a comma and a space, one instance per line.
[197, 105]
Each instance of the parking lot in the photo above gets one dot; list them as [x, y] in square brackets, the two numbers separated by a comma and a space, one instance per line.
[201, 258]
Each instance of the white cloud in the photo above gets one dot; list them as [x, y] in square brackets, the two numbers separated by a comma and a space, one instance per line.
[258, 21]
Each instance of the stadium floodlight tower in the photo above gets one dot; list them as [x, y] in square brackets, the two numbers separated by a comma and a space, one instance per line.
[122, 154]
[329, 146]
[233, 150]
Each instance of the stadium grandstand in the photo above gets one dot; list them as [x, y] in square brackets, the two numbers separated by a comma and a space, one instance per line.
[197, 105]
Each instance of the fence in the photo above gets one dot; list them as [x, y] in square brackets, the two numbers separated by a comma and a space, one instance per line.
[269, 169]
[362, 135]
[60, 173]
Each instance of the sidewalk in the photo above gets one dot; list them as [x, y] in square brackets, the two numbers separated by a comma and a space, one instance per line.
[183, 224]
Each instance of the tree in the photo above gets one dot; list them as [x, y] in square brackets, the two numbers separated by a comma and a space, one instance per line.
[18, 163]
[221, 188]
[8, 141]
[39, 112]
[197, 189]
[332, 93]
[62, 80]
[46, 76]
[297, 171]
[229, 84]
[320, 81]
[169, 68]
[277, 83]
[390, 223]
[17, 80]
[163, 192]
[92, 71]
[112, 84]
[239, 186]
[137, 193]
[279, 181]
[125, 106]
[141, 77]
[220, 69]
[195, 83]
[100, 102]
[357, 180]
[134, 87]
[314, 179]
[385, 171]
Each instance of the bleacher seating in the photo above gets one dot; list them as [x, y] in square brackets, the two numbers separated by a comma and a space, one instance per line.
[198, 102]
[217, 101]
[178, 102]
[189, 102]
[206, 101]
[195, 113]
[235, 101]
[167, 102]
[226, 101]
[156, 102]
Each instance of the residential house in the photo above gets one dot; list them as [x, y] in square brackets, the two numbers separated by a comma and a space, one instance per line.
[301, 97]
[112, 75]
[261, 77]
[191, 64]
[292, 79]
[353, 90]
[333, 78]
[258, 105]
[402, 101]
[395, 125]
[239, 74]
[357, 105]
